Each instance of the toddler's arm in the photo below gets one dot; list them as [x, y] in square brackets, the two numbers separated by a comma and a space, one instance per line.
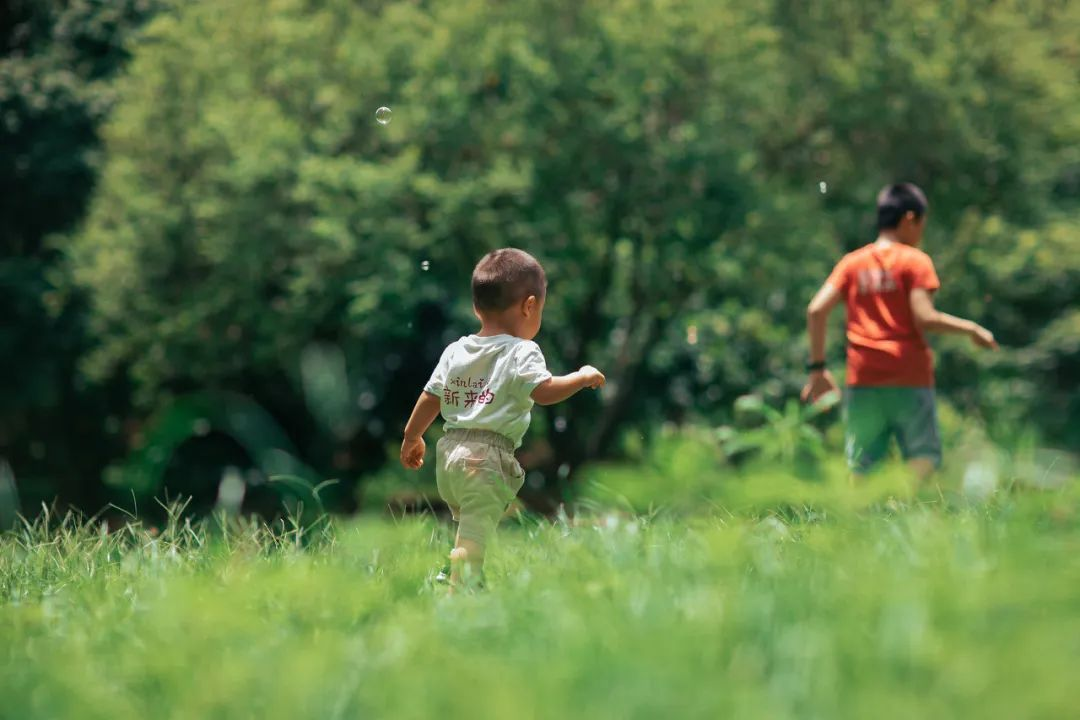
[413, 446]
[556, 389]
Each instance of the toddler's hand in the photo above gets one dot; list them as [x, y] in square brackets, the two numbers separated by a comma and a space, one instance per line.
[591, 377]
[412, 452]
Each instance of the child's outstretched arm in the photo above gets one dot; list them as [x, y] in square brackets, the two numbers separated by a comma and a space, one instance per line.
[556, 389]
[930, 319]
[413, 446]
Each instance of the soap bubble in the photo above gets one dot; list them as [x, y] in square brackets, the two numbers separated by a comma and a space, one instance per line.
[822, 186]
[425, 265]
[382, 116]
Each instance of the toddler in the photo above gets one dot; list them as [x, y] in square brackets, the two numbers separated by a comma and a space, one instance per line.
[484, 386]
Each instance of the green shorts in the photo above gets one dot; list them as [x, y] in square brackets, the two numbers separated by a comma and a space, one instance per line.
[478, 477]
[873, 415]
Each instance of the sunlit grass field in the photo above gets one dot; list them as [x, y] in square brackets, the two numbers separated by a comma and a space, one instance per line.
[917, 607]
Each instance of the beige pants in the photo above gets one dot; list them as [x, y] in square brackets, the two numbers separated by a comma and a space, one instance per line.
[478, 477]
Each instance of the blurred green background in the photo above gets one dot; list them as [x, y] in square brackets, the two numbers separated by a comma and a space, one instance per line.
[212, 256]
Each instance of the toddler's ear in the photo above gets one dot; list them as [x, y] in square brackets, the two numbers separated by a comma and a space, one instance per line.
[528, 307]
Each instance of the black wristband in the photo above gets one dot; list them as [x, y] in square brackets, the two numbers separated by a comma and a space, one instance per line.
[815, 366]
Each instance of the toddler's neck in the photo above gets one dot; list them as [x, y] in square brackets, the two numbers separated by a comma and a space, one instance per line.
[491, 330]
[498, 324]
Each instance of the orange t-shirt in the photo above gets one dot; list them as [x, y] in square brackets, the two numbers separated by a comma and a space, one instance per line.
[885, 346]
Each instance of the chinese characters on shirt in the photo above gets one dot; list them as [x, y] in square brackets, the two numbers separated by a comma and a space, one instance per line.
[470, 396]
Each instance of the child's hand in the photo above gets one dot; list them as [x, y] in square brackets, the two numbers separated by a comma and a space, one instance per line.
[983, 338]
[819, 384]
[591, 377]
[412, 452]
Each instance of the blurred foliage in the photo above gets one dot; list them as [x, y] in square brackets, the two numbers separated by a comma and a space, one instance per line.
[57, 61]
[687, 172]
[190, 442]
[765, 470]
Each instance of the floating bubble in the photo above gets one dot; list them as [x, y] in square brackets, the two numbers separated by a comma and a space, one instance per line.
[425, 265]
[823, 187]
[560, 424]
[201, 427]
[382, 116]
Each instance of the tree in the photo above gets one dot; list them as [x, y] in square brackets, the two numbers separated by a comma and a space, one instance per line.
[56, 62]
[251, 206]
[662, 159]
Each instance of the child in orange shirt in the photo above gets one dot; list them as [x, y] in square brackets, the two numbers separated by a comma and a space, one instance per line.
[887, 288]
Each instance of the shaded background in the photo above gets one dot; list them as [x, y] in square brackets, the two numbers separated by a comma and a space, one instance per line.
[212, 256]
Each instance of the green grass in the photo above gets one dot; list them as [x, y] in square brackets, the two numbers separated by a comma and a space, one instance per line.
[918, 610]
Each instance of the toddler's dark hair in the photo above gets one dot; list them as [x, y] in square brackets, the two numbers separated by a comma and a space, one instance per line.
[504, 277]
[895, 200]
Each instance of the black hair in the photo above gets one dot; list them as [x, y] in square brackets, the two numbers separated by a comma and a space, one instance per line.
[895, 201]
[504, 277]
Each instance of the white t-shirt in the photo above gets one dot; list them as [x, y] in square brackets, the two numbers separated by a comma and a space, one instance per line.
[486, 383]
